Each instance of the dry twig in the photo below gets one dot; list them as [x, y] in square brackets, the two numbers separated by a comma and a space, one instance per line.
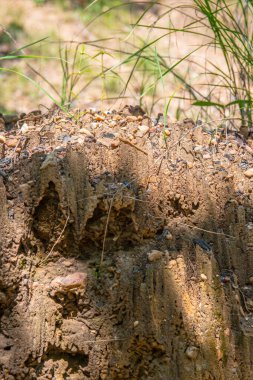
[133, 145]
[57, 241]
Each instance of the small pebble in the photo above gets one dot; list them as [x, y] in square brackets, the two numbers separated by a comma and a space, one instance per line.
[99, 117]
[131, 118]
[169, 236]
[117, 117]
[24, 128]
[112, 123]
[2, 139]
[214, 141]
[249, 226]
[249, 173]
[203, 277]
[72, 281]
[142, 130]
[3, 299]
[115, 144]
[108, 135]
[192, 352]
[198, 148]
[86, 132]
[154, 256]
[94, 125]
[250, 280]
[12, 143]
[67, 263]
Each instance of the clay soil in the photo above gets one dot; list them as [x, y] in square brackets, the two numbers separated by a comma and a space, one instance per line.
[126, 249]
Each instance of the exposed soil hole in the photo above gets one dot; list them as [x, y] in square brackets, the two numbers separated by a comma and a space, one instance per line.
[57, 363]
[145, 356]
[47, 215]
[115, 215]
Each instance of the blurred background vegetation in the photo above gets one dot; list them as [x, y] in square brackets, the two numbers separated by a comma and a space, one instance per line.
[186, 59]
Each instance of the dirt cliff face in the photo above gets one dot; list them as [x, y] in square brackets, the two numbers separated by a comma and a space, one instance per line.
[126, 250]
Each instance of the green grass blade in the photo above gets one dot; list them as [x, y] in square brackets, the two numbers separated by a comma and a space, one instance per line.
[39, 87]
[202, 103]
[28, 45]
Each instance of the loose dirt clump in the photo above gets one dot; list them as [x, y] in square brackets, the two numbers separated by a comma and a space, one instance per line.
[126, 249]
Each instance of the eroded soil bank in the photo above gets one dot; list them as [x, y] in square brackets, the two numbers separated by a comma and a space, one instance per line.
[126, 250]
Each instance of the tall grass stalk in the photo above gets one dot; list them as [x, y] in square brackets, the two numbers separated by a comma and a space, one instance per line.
[230, 24]
[227, 30]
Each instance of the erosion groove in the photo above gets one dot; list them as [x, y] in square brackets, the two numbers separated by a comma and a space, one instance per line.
[124, 263]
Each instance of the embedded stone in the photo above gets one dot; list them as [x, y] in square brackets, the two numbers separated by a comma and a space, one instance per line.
[192, 352]
[77, 280]
[203, 277]
[86, 132]
[142, 130]
[249, 173]
[2, 139]
[154, 255]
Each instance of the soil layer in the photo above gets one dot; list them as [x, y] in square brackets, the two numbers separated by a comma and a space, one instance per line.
[126, 249]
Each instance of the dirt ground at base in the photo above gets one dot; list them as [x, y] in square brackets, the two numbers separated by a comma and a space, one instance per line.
[125, 247]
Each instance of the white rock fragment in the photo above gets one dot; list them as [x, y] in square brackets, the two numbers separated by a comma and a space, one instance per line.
[168, 236]
[136, 323]
[92, 110]
[94, 125]
[192, 352]
[142, 130]
[203, 277]
[198, 148]
[49, 161]
[24, 128]
[80, 141]
[250, 226]
[154, 256]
